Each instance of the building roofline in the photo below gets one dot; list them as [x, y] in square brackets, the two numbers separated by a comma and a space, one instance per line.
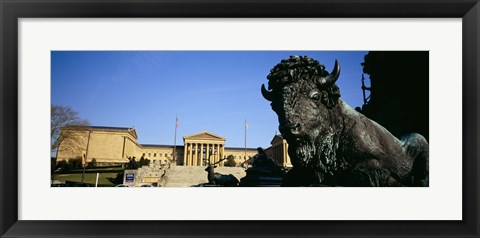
[171, 146]
[274, 137]
[205, 132]
[160, 146]
[239, 148]
[99, 127]
[130, 130]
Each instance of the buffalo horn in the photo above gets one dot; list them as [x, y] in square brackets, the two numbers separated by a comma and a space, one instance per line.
[331, 78]
[266, 94]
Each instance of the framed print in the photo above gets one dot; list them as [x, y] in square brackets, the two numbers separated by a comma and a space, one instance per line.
[188, 97]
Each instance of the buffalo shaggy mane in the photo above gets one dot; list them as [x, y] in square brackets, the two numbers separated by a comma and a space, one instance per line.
[300, 68]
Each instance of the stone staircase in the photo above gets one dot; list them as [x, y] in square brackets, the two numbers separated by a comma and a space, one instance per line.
[186, 176]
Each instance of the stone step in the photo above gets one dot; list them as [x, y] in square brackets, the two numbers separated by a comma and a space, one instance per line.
[187, 176]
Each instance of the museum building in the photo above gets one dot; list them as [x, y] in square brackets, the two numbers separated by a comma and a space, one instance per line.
[115, 145]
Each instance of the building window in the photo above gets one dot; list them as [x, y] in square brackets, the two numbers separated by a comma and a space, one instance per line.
[149, 154]
[159, 155]
[143, 155]
[154, 154]
[166, 155]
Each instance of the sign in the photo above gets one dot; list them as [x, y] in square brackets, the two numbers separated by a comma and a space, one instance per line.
[129, 178]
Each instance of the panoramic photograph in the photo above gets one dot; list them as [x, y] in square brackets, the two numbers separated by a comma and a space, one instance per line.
[239, 119]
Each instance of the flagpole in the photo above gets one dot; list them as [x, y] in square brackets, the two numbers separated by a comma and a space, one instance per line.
[245, 158]
[175, 141]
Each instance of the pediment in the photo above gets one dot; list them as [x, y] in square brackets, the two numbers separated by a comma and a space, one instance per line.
[277, 138]
[204, 135]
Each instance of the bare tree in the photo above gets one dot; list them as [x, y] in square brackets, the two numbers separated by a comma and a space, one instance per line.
[61, 117]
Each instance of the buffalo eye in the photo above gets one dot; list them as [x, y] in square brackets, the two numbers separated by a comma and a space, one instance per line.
[314, 95]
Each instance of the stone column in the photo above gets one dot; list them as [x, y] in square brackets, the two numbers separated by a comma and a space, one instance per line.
[185, 163]
[217, 158]
[194, 154]
[201, 155]
[212, 160]
[195, 160]
[288, 157]
[184, 154]
[190, 160]
[191, 154]
[208, 153]
[198, 155]
[199, 160]
[223, 153]
[215, 153]
[219, 154]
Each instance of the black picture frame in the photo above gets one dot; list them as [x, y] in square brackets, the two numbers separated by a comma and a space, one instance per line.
[11, 11]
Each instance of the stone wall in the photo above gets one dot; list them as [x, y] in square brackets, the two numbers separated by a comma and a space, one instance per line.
[187, 176]
[106, 147]
[154, 174]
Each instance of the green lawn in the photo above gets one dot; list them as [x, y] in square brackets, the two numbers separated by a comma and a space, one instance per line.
[94, 170]
[90, 178]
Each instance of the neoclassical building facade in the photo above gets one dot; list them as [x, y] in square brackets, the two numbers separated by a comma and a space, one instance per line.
[203, 148]
[107, 145]
[278, 151]
[115, 145]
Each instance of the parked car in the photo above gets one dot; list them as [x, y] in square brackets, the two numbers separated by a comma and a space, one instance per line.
[147, 186]
[123, 185]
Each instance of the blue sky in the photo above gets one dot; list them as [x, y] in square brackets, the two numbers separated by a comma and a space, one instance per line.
[208, 90]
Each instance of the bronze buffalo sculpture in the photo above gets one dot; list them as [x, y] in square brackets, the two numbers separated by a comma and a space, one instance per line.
[331, 144]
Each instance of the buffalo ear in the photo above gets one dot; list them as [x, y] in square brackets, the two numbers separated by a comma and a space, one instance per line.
[328, 100]
[324, 97]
